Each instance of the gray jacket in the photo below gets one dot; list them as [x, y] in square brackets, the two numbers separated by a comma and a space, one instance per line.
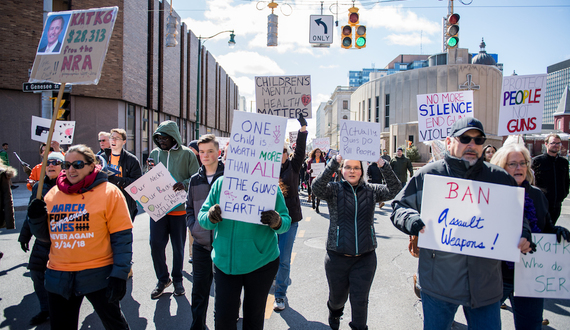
[455, 278]
[351, 229]
[198, 191]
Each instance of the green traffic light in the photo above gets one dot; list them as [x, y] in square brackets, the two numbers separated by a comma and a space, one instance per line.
[360, 41]
[451, 42]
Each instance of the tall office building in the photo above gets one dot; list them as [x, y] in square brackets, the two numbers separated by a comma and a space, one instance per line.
[556, 82]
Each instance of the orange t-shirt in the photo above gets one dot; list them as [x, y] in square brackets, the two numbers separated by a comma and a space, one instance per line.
[80, 226]
[35, 175]
[114, 164]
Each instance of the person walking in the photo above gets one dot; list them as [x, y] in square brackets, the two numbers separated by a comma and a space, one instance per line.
[401, 164]
[350, 261]
[315, 156]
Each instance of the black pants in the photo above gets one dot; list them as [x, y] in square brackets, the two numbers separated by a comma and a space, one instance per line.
[255, 284]
[202, 281]
[350, 277]
[64, 313]
[554, 209]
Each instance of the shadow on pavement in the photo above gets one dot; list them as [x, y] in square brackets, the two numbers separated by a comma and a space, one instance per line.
[162, 317]
[297, 321]
[14, 315]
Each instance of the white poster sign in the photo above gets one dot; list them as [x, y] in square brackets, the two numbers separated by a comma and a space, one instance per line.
[253, 165]
[437, 112]
[73, 46]
[62, 132]
[317, 168]
[283, 96]
[360, 140]
[153, 191]
[472, 217]
[522, 104]
[293, 138]
[222, 142]
[322, 143]
[546, 272]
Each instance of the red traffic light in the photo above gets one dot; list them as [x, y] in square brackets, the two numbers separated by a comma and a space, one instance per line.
[353, 18]
[453, 19]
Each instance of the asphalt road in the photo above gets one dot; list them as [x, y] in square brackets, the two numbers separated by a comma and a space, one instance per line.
[393, 304]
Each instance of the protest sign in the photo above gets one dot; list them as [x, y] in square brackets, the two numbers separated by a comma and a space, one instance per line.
[471, 217]
[322, 143]
[293, 139]
[317, 168]
[546, 272]
[76, 51]
[62, 133]
[283, 96]
[522, 104]
[360, 140]
[222, 142]
[437, 113]
[253, 165]
[153, 191]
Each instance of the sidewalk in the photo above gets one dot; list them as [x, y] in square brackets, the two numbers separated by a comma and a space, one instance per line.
[21, 196]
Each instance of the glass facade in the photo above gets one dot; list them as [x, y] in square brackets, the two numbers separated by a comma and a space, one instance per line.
[557, 80]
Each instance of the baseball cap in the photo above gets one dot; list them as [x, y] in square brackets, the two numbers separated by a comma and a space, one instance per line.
[400, 149]
[464, 124]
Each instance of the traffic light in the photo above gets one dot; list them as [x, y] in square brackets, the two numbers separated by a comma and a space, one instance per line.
[452, 30]
[360, 36]
[346, 40]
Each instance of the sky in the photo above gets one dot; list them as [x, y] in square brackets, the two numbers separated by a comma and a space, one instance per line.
[527, 35]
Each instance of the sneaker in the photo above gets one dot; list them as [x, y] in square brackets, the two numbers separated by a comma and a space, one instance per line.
[279, 304]
[334, 321]
[40, 318]
[159, 290]
[417, 290]
[503, 306]
[179, 289]
[190, 260]
[545, 322]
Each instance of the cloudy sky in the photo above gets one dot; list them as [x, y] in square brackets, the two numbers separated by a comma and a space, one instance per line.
[527, 35]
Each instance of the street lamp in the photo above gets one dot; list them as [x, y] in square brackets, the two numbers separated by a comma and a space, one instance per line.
[171, 29]
[231, 44]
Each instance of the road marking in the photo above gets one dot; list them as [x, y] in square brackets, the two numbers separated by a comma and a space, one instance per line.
[301, 233]
[293, 254]
[269, 306]
[308, 219]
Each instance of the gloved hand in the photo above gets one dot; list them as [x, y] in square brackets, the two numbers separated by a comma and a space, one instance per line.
[271, 218]
[116, 289]
[532, 248]
[416, 227]
[561, 232]
[215, 214]
[302, 120]
[37, 209]
[25, 246]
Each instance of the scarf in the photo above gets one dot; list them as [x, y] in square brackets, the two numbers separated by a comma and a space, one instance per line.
[80, 187]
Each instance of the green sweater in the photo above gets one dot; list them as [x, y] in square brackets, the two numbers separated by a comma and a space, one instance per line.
[242, 247]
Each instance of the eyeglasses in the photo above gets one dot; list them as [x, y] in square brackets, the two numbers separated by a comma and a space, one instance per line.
[115, 138]
[348, 168]
[78, 164]
[102, 141]
[514, 165]
[555, 143]
[54, 162]
[464, 139]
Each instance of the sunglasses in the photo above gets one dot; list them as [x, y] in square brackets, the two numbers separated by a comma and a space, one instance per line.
[102, 140]
[54, 162]
[78, 164]
[464, 139]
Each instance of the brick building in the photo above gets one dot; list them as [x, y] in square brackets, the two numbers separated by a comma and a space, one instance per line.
[142, 83]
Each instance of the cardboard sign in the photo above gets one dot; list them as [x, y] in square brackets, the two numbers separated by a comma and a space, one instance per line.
[360, 140]
[73, 46]
[437, 113]
[62, 133]
[153, 191]
[317, 168]
[283, 96]
[253, 165]
[293, 138]
[322, 143]
[472, 217]
[546, 272]
[522, 104]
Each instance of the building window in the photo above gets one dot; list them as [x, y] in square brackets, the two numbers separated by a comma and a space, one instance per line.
[184, 131]
[345, 105]
[363, 110]
[345, 117]
[394, 139]
[359, 109]
[131, 128]
[377, 109]
[387, 111]
[411, 139]
[155, 121]
[145, 133]
[369, 110]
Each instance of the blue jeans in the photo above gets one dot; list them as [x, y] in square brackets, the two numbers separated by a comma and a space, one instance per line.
[171, 227]
[527, 311]
[439, 314]
[282, 280]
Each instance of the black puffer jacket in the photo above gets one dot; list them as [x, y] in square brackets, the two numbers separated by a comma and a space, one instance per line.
[551, 174]
[40, 251]
[351, 209]
[290, 177]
